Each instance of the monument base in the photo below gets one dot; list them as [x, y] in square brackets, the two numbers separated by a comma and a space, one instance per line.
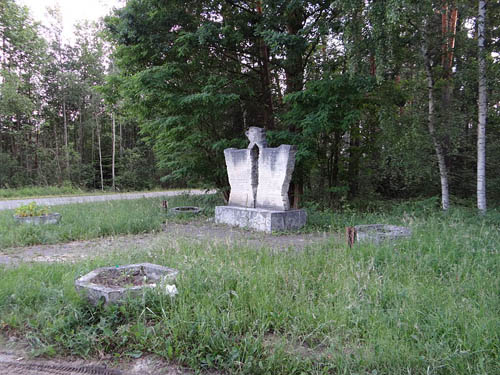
[260, 219]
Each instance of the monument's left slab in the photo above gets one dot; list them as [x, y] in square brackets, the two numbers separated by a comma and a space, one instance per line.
[240, 166]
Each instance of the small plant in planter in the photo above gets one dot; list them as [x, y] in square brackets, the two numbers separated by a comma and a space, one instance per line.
[34, 214]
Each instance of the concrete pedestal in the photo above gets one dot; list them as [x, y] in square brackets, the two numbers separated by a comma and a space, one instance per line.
[260, 219]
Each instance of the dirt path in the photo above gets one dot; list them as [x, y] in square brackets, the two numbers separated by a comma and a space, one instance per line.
[15, 360]
[52, 201]
[199, 231]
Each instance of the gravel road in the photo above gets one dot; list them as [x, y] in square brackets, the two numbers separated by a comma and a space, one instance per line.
[53, 201]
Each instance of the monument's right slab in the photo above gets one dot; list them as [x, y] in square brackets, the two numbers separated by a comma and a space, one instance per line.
[260, 219]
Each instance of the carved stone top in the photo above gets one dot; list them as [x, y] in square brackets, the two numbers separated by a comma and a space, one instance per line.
[256, 136]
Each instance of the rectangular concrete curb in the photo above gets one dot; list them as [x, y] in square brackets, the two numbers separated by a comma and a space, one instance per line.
[260, 219]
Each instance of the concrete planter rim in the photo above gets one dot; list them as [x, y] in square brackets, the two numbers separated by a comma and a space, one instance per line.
[185, 210]
[51, 218]
[96, 291]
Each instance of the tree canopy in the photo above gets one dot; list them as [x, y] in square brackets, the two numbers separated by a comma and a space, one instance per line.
[379, 96]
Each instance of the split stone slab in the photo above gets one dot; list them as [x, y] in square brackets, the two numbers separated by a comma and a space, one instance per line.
[275, 173]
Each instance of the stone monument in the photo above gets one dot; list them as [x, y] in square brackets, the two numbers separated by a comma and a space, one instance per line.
[259, 177]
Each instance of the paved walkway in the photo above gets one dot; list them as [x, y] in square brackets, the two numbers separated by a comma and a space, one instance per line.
[53, 201]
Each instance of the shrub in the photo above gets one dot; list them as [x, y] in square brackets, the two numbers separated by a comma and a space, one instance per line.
[31, 209]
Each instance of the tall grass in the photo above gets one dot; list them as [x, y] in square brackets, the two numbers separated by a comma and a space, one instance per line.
[91, 220]
[426, 305]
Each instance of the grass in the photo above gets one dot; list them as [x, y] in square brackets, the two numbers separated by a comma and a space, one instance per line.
[40, 191]
[426, 305]
[91, 220]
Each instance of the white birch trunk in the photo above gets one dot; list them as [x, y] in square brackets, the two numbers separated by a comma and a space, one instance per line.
[482, 111]
[431, 120]
[66, 148]
[98, 129]
[113, 132]
[121, 138]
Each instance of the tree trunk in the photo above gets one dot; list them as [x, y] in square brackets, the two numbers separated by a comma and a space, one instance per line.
[354, 160]
[80, 136]
[265, 79]
[120, 140]
[294, 79]
[113, 132]
[93, 156]
[58, 162]
[98, 130]
[482, 111]
[443, 173]
[66, 147]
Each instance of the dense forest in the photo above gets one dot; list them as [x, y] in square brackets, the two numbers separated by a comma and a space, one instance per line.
[383, 98]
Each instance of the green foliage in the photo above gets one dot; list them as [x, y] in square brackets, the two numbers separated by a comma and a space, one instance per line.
[135, 171]
[31, 209]
[342, 80]
[424, 305]
[11, 174]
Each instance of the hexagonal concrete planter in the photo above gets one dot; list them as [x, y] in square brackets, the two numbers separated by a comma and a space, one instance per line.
[113, 284]
[52, 218]
[185, 210]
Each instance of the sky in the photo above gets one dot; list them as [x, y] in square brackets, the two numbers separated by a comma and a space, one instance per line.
[72, 11]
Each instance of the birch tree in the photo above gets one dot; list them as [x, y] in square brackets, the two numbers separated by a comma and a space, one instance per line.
[482, 110]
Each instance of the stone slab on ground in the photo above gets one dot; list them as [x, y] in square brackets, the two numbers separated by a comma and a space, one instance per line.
[260, 219]
[378, 233]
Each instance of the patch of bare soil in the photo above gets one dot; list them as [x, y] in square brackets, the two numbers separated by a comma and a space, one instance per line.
[295, 348]
[15, 360]
[197, 231]
[119, 278]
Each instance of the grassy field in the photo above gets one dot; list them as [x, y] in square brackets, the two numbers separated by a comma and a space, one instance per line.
[91, 220]
[426, 305]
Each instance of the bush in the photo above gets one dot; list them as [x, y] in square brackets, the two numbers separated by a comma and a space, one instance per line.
[11, 174]
[31, 209]
[135, 171]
